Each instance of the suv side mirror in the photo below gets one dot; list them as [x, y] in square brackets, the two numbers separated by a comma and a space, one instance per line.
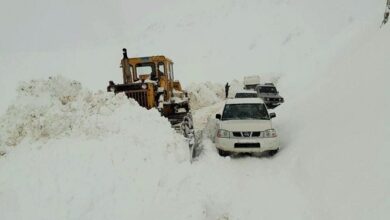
[272, 115]
[218, 116]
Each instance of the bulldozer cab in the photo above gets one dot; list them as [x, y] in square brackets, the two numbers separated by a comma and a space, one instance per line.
[157, 70]
[152, 68]
[150, 81]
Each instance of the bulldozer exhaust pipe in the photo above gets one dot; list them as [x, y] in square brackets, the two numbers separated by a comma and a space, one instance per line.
[127, 74]
[125, 53]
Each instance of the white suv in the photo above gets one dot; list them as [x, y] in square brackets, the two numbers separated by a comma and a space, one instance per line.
[245, 127]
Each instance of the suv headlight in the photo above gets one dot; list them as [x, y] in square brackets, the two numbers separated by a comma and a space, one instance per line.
[270, 133]
[223, 133]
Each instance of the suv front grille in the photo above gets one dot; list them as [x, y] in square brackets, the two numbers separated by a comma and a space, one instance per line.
[246, 134]
[237, 134]
[256, 134]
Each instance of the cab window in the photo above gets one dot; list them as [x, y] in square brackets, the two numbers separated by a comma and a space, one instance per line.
[128, 77]
[146, 68]
[171, 71]
[161, 70]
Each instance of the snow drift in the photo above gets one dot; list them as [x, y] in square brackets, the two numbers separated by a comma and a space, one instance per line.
[58, 107]
[209, 93]
[71, 152]
[336, 133]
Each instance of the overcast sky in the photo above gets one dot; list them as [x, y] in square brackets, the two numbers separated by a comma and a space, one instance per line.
[215, 40]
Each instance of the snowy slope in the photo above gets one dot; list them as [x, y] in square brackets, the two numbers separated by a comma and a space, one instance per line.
[342, 123]
[335, 143]
[71, 152]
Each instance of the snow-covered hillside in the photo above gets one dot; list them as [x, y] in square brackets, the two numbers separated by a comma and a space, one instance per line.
[72, 152]
[336, 134]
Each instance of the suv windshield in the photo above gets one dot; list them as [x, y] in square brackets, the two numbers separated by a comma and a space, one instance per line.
[246, 95]
[245, 112]
[268, 89]
[253, 86]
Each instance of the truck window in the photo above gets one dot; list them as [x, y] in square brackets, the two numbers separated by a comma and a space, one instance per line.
[129, 77]
[268, 89]
[161, 70]
[171, 71]
[246, 95]
[146, 68]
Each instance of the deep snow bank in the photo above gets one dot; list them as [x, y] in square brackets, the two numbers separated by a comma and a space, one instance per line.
[58, 107]
[204, 94]
[335, 141]
[75, 154]
[335, 132]
[47, 109]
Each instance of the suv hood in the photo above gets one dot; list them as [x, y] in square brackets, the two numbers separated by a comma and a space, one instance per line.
[245, 125]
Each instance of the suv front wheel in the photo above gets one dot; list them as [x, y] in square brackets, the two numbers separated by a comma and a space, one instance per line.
[223, 153]
[271, 153]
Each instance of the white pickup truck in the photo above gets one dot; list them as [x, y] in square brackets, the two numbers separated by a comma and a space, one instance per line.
[245, 126]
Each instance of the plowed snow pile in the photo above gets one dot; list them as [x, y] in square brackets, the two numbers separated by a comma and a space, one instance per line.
[205, 94]
[58, 107]
[75, 154]
[336, 133]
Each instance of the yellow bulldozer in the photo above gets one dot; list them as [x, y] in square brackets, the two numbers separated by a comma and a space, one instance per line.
[150, 81]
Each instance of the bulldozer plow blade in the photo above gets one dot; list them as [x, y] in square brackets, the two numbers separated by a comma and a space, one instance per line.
[186, 128]
[194, 146]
